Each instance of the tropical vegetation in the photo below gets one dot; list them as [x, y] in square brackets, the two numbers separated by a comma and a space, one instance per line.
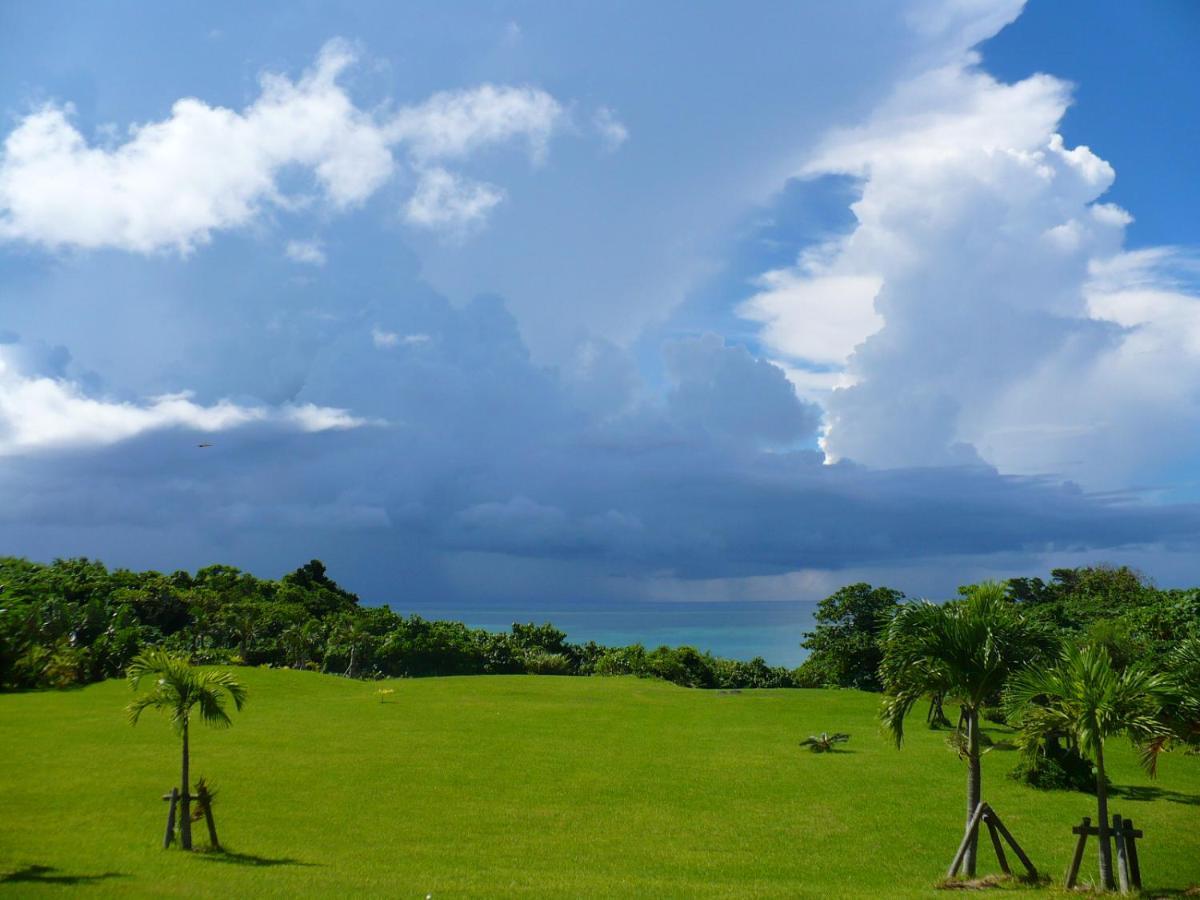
[1055, 668]
[533, 786]
[75, 622]
[177, 689]
[1085, 699]
[964, 652]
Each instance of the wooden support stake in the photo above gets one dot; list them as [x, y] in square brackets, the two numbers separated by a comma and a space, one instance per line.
[1135, 869]
[1012, 842]
[972, 830]
[995, 835]
[205, 799]
[1082, 830]
[1134, 865]
[170, 833]
[1122, 857]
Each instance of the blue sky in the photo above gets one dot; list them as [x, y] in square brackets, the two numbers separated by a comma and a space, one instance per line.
[662, 323]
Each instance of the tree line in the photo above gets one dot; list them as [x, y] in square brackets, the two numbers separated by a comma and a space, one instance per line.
[1064, 687]
[74, 621]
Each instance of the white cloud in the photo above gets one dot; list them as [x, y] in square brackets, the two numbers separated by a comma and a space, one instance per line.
[455, 124]
[40, 412]
[982, 308]
[309, 253]
[963, 23]
[1128, 406]
[814, 384]
[612, 130]
[450, 202]
[817, 318]
[387, 339]
[204, 168]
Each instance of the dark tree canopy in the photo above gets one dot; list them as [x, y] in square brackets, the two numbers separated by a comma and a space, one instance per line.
[844, 648]
[74, 621]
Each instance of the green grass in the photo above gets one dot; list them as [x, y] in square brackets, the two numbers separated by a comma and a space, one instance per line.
[500, 786]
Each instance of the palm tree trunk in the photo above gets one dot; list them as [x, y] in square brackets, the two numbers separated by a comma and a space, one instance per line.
[973, 784]
[185, 820]
[1106, 869]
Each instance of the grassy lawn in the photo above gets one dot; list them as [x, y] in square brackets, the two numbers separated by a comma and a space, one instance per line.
[523, 785]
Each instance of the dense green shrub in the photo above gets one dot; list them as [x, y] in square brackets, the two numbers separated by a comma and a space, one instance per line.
[993, 714]
[1058, 769]
[844, 647]
[684, 666]
[629, 660]
[74, 621]
[539, 662]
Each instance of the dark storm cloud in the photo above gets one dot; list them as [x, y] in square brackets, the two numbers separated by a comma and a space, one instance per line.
[477, 450]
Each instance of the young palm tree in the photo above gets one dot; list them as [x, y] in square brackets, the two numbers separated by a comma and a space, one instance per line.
[1085, 698]
[824, 742]
[962, 651]
[1182, 714]
[177, 689]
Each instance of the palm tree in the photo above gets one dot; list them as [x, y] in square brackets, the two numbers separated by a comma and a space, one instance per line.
[964, 652]
[824, 742]
[1182, 714]
[244, 623]
[178, 687]
[1083, 697]
[295, 645]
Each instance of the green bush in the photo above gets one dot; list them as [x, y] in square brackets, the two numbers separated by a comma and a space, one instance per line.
[684, 666]
[993, 714]
[540, 662]
[1058, 769]
[629, 660]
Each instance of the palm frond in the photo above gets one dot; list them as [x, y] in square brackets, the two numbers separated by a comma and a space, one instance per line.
[1083, 697]
[963, 651]
[178, 688]
[142, 703]
[824, 742]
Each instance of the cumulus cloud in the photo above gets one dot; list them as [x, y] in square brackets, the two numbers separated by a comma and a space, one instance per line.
[39, 412]
[497, 455]
[611, 129]
[728, 392]
[814, 317]
[447, 201]
[453, 125]
[387, 339]
[493, 460]
[523, 527]
[310, 253]
[173, 183]
[980, 308]
[204, 168]
[956, 25]
[655, 465]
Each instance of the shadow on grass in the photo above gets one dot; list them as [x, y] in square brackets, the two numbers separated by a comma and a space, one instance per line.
[50, 875]
[249, 859]
[1141, 792]
[1193, 891]
[998, 882]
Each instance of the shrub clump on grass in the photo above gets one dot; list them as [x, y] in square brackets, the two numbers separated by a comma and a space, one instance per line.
[1058, 769]
[824, 742]
[542, 663]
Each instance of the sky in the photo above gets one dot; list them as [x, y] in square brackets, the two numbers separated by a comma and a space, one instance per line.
[658, 321]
